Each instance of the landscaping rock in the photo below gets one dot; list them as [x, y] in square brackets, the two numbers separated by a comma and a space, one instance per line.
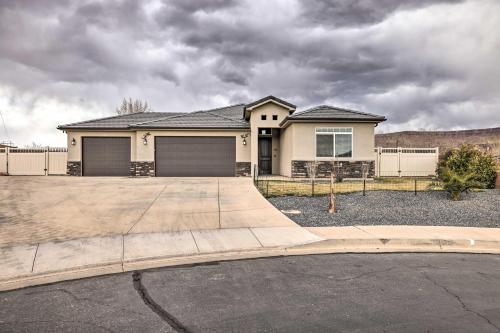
[477, 209]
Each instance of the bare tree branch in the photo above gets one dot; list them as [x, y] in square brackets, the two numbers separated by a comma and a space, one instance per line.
[128, 107]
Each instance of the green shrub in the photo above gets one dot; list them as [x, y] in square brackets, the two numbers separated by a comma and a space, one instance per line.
[484, 168]
[468, 162]
[457, 183]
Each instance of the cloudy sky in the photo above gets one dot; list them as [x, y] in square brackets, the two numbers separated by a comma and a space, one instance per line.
[424, 64]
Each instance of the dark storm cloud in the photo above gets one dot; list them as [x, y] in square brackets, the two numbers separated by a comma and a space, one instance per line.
[430, 64]
[243, 44]
[88, 42]
[227, 73]
[194, 6]
[344, 13]
[180, 13]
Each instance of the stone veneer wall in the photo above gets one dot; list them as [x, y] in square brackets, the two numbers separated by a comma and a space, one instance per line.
[74, 168]
[136, 168]
[243, 169]
[349, 169]
[141, 168]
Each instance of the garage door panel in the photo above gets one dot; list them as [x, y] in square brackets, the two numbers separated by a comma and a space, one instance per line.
[195, 156]
[106, 156]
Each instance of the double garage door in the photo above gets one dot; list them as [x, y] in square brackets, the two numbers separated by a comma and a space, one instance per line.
[174, 156]
[188, 156]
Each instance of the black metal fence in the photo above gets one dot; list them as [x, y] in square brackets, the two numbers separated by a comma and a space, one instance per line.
[271, 185]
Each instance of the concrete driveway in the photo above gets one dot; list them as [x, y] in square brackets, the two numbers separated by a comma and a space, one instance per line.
[38, 209]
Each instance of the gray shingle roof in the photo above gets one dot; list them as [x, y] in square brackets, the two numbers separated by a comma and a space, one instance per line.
[229, 117]
[225, 117]
[234, 111]
[326, 112]
[119, 122]
[199, 119]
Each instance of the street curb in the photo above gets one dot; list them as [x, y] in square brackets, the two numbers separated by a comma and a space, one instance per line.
[333, 246]
[128, 266]
[417, 245]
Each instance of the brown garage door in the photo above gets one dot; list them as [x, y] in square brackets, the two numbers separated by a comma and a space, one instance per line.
[106, 156]
[190, 156]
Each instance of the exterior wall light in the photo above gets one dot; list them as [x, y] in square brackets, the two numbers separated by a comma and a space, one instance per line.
[73, 142]
[244, 137]
[145, 138]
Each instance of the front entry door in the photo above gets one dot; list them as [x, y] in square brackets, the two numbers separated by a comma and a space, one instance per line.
[265, 156]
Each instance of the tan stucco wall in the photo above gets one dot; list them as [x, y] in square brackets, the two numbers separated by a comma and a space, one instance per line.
[141, 152]
[269, 110]
[286, 151]
[304, 141]
[275, 146]
[296, 142]
[75, 152]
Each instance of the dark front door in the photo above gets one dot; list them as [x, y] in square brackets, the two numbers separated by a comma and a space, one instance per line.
[106, 156]
[265, 156]
[195, 156]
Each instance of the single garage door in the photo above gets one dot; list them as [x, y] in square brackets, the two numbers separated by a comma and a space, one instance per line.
[106, 156]
[190, 156]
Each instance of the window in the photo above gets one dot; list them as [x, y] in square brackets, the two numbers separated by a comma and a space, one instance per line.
[343, 146]
[263, 117]
[334, 142]
[324, 145]
[265, 131]
[275, 117]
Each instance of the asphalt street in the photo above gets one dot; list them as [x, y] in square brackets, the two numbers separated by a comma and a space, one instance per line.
[317, 293]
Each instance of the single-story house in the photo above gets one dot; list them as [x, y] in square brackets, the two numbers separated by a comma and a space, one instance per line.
[267, 136]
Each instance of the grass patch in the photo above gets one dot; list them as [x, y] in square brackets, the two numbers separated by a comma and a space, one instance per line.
[274, 188]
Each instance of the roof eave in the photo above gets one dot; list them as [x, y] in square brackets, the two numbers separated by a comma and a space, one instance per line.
[287, 121]
[134, 128]
[190, 128]
[65, 128]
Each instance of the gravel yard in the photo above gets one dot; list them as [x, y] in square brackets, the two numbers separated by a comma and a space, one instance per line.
[477, 209]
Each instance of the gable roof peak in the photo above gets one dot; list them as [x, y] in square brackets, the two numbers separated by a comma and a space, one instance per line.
[268, 99]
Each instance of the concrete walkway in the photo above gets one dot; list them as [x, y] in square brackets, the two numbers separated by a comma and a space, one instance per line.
[26, 265]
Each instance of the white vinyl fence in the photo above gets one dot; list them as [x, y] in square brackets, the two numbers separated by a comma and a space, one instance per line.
[33, 161]
[406, 162]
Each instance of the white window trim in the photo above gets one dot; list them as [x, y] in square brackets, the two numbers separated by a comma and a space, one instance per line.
[318, 158]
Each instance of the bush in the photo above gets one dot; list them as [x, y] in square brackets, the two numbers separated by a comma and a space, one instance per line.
[456, 183]
[470, 165]
[484, 167]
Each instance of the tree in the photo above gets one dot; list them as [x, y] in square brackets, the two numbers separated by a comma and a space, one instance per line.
[130, 106]
[365, 170]
[312, 168]
[33, 145]
[335, 176]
